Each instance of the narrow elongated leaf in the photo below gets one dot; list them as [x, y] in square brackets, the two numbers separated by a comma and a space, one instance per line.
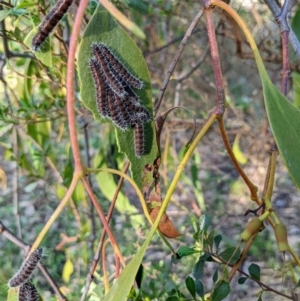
[122, 286]
[284, 119]
[296, 23]
[283, 116]
[199, 288]
[190, 285]
[104, 29]
[296, 89]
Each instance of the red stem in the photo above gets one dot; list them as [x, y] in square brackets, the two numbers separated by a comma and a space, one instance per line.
[216, 61]
[70, 84]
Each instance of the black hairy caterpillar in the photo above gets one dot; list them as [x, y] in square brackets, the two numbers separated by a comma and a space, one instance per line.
[139, 143]
[26, 269]
[141, 115]
[121, 121]
[50, 21]
[118, 68]
[101, 89]
[28, 292]
[113, 82]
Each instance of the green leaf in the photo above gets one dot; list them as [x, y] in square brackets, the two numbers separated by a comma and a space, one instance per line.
[198, 269]
[108, 187]
[122, 286]
[40, 132]
[190, 285]
[199, 288]
[221, 291]
[44, 54]
[13, 294]
[217, 240]
[283, 116]
[242, 280]
[186, 251]
[102, 28]
[231, 254]
[296, 88]
[295, 24]
[210, 239]
[298, 284]
[4, 14]
[139, 5]
[194, 222]
[284, 119]
[254, 271]
[25, 4]
[204, 222]
[215, 275]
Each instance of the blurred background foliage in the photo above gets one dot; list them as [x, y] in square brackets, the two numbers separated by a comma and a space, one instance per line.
[36, 162]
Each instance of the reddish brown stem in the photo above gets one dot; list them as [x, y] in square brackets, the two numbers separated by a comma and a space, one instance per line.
[103, 220]
[241, 259]
[220, 108]
[70, 84]
[253, 189]
[285, 73]
[100, 245]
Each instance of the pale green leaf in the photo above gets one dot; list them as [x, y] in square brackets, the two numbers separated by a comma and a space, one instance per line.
[13, 294]
[4, 14]
[44, 54]
[104, 29]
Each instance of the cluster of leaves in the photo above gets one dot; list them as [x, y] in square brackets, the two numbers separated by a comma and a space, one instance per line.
[208, 248]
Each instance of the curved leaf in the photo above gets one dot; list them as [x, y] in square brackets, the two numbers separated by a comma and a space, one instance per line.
[221, 291]
[103, 28]
[283, 116]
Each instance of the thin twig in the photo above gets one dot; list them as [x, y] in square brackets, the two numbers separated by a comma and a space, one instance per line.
[253, 189]
[91, 206]
[150, 52]
[197, 65]
[175, 60]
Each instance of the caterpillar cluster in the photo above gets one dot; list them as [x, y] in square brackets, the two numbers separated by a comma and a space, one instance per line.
[27, 291]
[115, 97]
[49, 23]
